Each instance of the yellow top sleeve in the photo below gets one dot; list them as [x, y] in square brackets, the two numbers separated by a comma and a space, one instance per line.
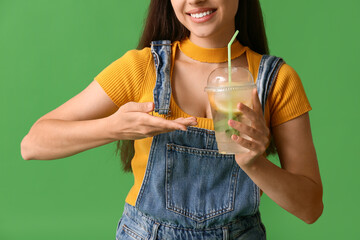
[287, 99]
[122, 79]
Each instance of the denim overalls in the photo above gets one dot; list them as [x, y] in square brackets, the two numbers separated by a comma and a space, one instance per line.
[190, 191]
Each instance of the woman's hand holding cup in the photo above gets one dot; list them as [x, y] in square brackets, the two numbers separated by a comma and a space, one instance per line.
[258, 132]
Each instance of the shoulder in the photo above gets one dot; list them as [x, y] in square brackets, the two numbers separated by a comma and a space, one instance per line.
[122, 80]
[139, 55]
[287, 98]
[285, 71]
[133, 62]
[287, 78]
[135, 58]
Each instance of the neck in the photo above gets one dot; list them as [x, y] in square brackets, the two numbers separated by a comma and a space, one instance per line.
[219, 40]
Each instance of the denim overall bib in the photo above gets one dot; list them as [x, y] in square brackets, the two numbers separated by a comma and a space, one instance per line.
[190, 191]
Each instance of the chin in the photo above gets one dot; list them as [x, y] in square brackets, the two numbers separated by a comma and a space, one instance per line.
[203, 33]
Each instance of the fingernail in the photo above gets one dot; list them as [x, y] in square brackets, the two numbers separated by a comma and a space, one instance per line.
[235, 137]
[193, 123]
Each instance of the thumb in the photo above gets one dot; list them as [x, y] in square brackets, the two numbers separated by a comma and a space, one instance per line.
[256, 102]
[138, 107]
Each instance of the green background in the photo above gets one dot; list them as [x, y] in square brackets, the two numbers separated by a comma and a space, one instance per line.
[51, 50]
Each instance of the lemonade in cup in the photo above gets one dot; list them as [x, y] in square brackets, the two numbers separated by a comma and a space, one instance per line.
[224, 96]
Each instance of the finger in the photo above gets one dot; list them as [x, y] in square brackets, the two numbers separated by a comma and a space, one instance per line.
[256, 102]
[248, 112]
[138, 107]
[161, 124]
[190, 121]
[255, 116]
[251, 145]
[247, 130]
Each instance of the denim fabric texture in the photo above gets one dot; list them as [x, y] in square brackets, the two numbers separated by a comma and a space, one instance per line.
[187, 181]
[136, 225]
[268, 70]
[190, 190]
[161, 51]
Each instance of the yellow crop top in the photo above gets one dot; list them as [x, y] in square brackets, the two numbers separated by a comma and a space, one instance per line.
[132, 78]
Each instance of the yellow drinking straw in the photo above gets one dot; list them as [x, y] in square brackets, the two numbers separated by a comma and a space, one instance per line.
[230, 114]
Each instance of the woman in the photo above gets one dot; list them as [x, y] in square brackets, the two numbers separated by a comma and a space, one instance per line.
[183, 188]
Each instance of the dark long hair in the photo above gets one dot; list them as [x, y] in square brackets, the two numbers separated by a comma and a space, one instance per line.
[161, 23]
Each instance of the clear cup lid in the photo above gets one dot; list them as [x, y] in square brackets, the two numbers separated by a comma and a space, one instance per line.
[218, 79]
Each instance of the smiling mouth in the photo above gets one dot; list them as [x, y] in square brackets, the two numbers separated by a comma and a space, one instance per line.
[202, 14]
[197, 14]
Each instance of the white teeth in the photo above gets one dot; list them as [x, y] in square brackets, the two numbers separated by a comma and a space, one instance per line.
[200, 15]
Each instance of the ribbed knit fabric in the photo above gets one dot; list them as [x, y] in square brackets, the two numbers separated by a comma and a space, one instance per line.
[210, 55]
[132, 78]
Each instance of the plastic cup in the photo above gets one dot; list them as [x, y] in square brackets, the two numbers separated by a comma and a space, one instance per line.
[224, 97]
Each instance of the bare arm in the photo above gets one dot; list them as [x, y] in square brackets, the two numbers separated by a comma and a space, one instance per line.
[91, 119]
[296, 186]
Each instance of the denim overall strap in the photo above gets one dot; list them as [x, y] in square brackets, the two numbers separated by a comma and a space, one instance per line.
[161, 51]
[268, 70]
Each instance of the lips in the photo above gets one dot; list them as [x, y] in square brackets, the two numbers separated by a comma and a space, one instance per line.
[200, 10]
[201, 15]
